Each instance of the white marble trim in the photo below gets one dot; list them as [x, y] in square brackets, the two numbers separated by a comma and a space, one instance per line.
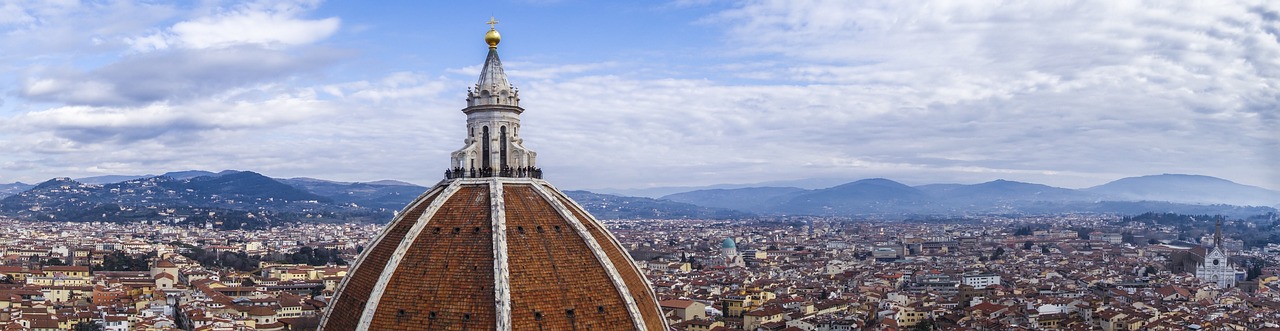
[374, 243]
[599, 253]
[593, 220]
[501, 273]
[371, 307]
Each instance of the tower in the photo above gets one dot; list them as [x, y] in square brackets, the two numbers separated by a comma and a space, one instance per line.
[493, 246]
[493, 145]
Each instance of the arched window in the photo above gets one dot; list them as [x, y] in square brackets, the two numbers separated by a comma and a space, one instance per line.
[503, 148]
[484, 158]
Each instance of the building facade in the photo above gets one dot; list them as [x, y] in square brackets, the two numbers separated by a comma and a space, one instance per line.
[1216, 268]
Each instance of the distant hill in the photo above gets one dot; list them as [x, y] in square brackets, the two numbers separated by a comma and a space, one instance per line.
[662, 192]
[1186, 189]
[867, 196]
[249, 185]
[883, 197]
[13, 188]
[234, 199]
[1004, 190]
[754, 199]
[605, 206]
[109, 179]
[392, 183]
[237, 199]
[189, 174]
[244, 199]
[391, 195]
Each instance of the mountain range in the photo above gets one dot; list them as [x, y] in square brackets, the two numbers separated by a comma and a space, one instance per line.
[877, 196]
[244, 199]
[237, 199]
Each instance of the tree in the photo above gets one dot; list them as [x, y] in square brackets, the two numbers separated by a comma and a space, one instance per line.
[1027, 245]
[1083, 233]
[1127, 237]
[316, 290]
[119, 261]
[314, 256]
[1044, 249]
[1253, 269]
[997, 254]
[54, 261]
[924, 325]
[87, 326]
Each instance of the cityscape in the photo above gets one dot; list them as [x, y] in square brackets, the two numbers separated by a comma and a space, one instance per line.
[1073, 272]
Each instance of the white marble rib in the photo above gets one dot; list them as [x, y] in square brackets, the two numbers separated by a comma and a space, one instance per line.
[599, 253]
[597, 223]
[501, 273]
[371, 307]
[374, 243]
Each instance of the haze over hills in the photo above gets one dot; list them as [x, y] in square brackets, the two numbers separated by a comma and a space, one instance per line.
[244, 199]
[237, 197]
[1004, 190]
[1187, 189]
[1194, 194]
[13, 188]
[254, 197]
[387, 195]
[108, 179]
[753, 199]
[867, 196]
[607, 206]
[658, 192]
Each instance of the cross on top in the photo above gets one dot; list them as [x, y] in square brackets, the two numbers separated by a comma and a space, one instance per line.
[492, 22]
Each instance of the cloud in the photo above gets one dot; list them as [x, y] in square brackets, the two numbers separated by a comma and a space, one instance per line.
[173, 75]
[1063, 93]
[38, 31]
[270, 24]
[12, 14]
[1077, 87]
[353, 130]
[223, 48]
[122, 126]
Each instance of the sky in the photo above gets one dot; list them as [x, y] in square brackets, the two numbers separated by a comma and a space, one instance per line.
[644, 94]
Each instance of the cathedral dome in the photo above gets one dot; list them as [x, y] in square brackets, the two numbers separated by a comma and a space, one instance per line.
[494, 252]
[494, 247]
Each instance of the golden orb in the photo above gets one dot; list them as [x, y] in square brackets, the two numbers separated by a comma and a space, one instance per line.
[492, 38]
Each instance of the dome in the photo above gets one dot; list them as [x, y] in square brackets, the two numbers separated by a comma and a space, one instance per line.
[493, 246]
[504, 253]
[728, 243]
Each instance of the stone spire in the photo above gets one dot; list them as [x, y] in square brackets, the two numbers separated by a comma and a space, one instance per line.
[493, 147]
[493, 88]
